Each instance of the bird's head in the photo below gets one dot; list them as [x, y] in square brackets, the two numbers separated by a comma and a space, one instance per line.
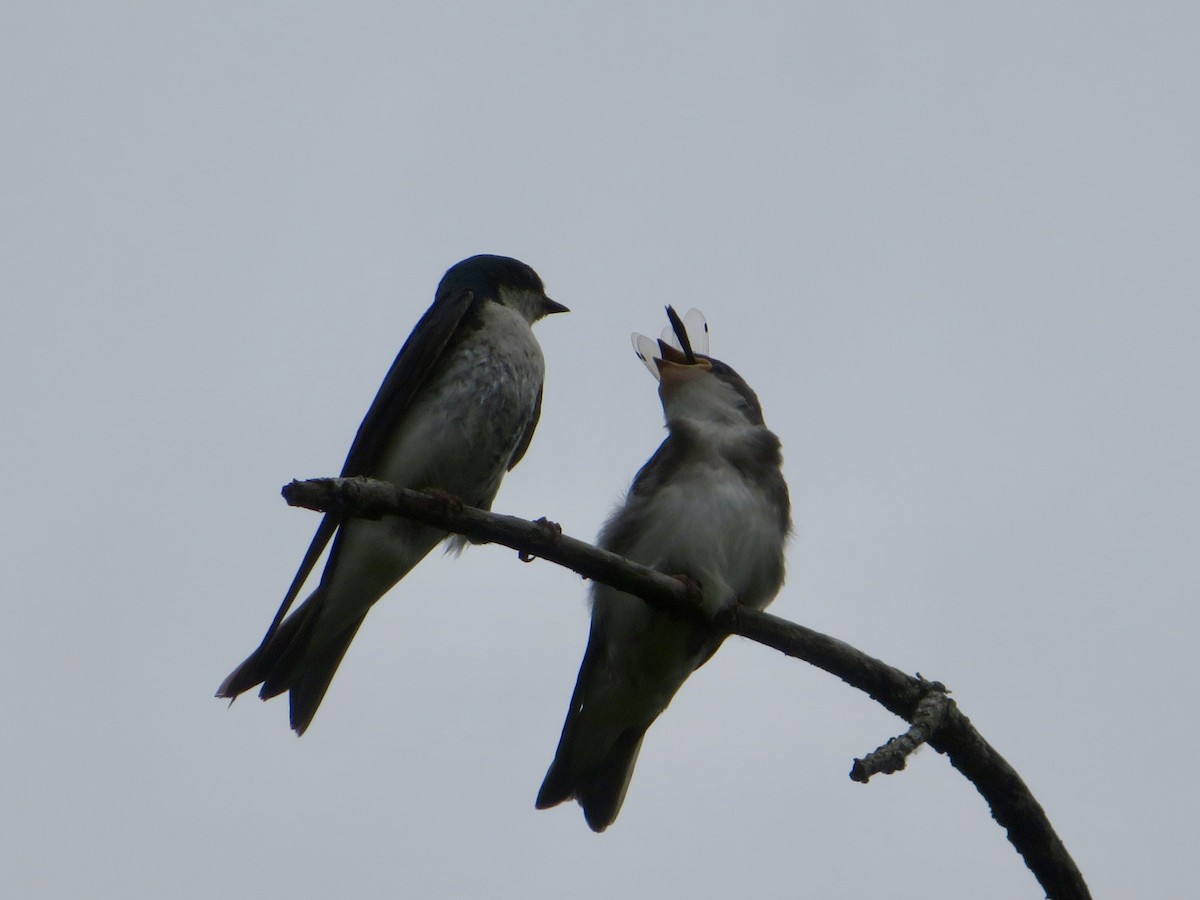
[692, 384]
[503, 280]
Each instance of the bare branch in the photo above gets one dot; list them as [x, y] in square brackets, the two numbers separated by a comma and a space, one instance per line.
[936, 719]
[892, 756]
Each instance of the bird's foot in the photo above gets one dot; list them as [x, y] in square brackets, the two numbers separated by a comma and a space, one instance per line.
[551, 531]
[548, 534]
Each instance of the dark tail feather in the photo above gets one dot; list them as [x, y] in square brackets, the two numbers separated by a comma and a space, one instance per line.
[263, 662]
[557, 787]
[286, 661]
[600, 791]
[308, 687]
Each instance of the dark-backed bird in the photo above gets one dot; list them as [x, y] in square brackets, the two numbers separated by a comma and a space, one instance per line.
[456, 411]
[711, 505]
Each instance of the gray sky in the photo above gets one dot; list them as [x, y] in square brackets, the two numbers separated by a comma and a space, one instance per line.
[953, 248]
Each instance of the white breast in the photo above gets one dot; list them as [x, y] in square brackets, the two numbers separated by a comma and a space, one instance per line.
[712, 524]
[461, 432]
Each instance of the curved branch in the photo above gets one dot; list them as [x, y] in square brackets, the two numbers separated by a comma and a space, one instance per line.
[935, 717]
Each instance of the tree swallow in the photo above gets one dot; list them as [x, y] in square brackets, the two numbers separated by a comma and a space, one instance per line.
[710, 504]
[456, 411]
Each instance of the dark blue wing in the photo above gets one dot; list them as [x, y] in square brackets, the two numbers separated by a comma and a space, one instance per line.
[407, 375]
[404, 379]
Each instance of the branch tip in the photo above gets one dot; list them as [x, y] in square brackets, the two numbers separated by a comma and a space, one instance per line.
[927, 719]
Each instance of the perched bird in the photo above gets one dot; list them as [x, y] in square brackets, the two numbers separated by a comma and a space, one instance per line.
[456, 411]
[712, 505]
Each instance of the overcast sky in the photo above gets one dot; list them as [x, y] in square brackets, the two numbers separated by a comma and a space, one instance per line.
[954, 247]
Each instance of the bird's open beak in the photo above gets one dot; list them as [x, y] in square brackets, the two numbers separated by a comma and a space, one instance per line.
[549, 307]
[672, 354]
[674, 369]
[674, 366]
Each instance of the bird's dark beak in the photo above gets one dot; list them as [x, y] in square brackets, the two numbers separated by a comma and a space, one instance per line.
[549, 307]
[670, 354]
[674, 366]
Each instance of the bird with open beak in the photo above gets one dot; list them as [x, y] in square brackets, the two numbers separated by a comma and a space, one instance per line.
[712, 505]
[456, 411]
